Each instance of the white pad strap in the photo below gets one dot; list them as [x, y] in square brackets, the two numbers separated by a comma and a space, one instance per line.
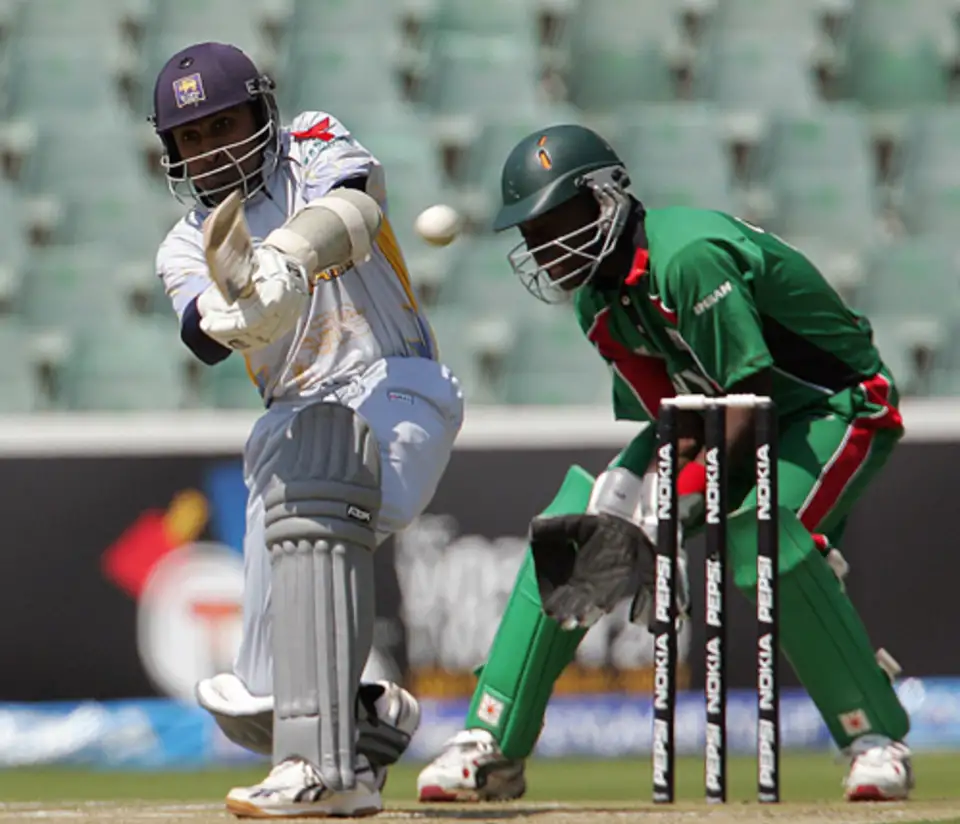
[352, 218]
[619, 492]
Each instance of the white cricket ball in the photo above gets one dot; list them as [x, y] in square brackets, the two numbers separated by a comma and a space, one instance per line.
[438, 225]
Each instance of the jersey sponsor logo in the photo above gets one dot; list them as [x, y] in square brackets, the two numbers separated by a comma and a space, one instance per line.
[713, 298]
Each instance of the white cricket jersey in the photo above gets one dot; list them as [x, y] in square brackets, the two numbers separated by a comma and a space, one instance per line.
[356, 316]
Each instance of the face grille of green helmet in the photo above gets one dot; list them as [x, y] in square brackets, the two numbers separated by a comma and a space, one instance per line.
[545, 170]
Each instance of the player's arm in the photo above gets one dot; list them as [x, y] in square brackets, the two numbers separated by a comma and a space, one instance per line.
[334, 158]
[183, 272]
[710, 285]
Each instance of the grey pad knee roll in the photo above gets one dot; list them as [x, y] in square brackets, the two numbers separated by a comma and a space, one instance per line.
[320, 514]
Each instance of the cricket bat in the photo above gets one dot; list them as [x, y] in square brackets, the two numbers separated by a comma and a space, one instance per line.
[228, 248]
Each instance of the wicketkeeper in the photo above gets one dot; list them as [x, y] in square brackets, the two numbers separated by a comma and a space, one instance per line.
[687, 301]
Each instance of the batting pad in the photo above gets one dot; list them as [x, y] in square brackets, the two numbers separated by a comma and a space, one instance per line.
[821, 633]
[320, 513]
[529, 651]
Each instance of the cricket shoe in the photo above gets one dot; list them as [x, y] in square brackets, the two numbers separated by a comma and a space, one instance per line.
[471, 768]
[294, 789]
[880, 770]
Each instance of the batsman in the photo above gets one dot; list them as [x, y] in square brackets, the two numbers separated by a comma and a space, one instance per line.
[687, 301]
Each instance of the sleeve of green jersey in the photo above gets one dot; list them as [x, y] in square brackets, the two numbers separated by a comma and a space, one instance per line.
[708, 286]
[637, 454]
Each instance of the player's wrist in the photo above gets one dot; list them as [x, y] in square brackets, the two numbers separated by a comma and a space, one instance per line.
[621, 493]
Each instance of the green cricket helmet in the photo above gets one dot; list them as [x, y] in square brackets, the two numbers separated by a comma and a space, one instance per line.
[545, 174]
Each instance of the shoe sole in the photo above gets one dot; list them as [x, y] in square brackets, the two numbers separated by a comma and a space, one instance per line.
[436, 794]
[244, 809]
[870, 792]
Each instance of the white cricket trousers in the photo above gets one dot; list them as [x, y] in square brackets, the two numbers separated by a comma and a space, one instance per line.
[414, 406]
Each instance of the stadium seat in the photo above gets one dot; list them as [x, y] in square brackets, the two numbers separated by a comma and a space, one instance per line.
[370, 20]
[187, 21]
[821, 173]
[459, 350]
[772, 16]
[909, 348]
[553, 363]
[20, 391]
[126, 366]
[513, 18]
[74, 288]
[621, 52]
[228, 385]
[676, 156]
[480, 278]
[835, 204]
[913, 278]
[896, 52]
[823, 142]
[338, 78]
[50, 77]
[481, 76]
[94, 170]
[931, 172]
[757, 71]
[97, 20]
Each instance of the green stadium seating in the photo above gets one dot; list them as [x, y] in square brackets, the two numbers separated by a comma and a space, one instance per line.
[481, 76]
[126, 366]
[553, 363]
[914, 279]
[931, 172]
[76, 288]
[620, 53]
[676, 156]
[338, 77]
[228, 385]
[513, 18]
[757, 71]
[459, 350]
[481, 278]
[98, 20]
[822, 142]
[18, 377]
[52, 77]
[369, 20]
[770, 16]
[896, 50]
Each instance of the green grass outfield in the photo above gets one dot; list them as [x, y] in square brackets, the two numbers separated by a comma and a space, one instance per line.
[805, 778]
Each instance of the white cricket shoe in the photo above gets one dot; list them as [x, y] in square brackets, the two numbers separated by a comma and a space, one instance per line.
[471, 768]
[880, 770]
[294, 789]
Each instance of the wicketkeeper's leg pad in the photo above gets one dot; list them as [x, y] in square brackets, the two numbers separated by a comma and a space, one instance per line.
[821, 633]
[529, 650]
[320, 514]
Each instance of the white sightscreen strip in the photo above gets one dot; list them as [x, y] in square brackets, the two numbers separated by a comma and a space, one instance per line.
[224, 432]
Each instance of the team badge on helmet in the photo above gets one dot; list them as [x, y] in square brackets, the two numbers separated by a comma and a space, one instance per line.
[189, 90]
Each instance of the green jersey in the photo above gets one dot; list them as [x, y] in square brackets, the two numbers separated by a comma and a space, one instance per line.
[711, 300]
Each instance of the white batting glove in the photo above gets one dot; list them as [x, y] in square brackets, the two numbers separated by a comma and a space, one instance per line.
[280, 297]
